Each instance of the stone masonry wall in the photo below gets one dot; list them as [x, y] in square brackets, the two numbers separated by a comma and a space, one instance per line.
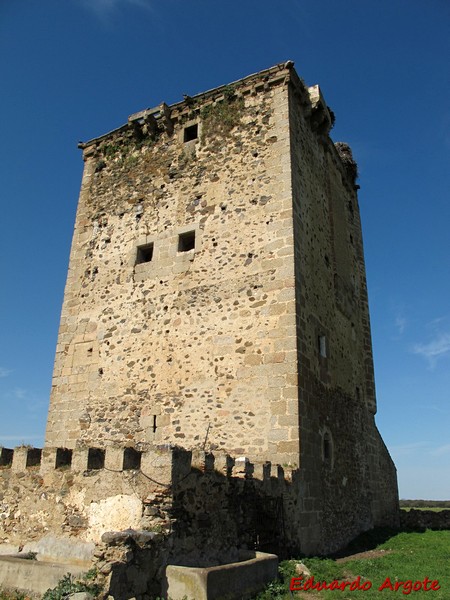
[419, 520]
[191, 345]
[348, 478]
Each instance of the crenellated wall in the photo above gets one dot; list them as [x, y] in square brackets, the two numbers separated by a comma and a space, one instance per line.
[129, 521]
[187, 494]
[211, 506]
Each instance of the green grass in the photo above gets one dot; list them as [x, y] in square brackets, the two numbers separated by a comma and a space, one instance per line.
[408, 557]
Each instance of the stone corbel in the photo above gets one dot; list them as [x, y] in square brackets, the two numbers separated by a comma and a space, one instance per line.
[143, 122]
[165, 117]
[321, 118]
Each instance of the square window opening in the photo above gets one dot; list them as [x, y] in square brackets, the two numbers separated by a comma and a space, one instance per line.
[131, 459]
[6, 457]
[96, 459]
[186, 241]
[190, 133]
[63, 458]
[144, 254]
[34, 456]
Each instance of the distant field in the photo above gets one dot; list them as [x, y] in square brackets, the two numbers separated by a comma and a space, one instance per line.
[432, 508]
[405, 557]
[425, 504]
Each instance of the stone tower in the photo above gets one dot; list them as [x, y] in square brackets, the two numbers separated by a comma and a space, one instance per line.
[216, 298]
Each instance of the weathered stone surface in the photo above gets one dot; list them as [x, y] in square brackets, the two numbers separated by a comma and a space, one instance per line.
[113, 538]
[119, 537]
[116, 512]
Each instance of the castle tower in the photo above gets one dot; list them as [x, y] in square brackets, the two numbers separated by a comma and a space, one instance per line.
[216, 297]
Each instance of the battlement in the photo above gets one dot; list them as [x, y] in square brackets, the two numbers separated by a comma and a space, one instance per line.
[174, 462]
[163, 489]
[164, 116]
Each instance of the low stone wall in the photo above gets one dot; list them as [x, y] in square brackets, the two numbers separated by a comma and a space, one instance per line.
[79, 498]
[425, 519]
[176, 507]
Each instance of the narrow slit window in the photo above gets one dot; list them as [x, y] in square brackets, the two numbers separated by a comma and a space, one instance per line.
[322, 346]
[190, 133]
[327, 448]
[186, 241]
[144, 254]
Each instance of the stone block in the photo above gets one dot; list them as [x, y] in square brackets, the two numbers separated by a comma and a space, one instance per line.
[48, 461]
[290, 447]
[114, 458]
[81, 596]
[80, 459]
[236, 580]
[19, 462]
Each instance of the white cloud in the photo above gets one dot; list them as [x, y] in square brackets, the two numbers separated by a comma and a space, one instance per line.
[427, 482]
[400, 321]
[418, 449]
[437, 348]
[441, 450]
[21, 438]
[400, 324]
[4, 372]
[408, 449]
[437, 322]
[444, 411]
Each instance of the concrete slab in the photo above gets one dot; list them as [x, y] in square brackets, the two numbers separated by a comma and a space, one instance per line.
[32, 576]
[233, 581]
[58, 549]
[9, 549]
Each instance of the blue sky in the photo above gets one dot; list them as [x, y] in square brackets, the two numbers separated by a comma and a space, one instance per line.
[75, 69]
